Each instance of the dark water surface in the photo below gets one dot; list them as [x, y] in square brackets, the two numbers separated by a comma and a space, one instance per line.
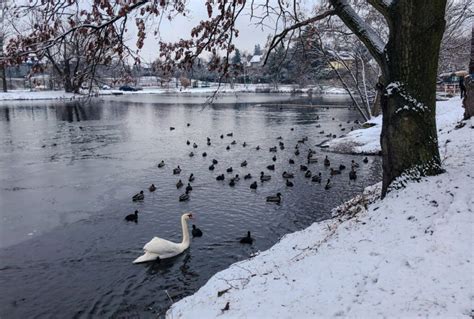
[67, 173]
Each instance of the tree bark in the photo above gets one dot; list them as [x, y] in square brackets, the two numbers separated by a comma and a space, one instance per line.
[409, 136]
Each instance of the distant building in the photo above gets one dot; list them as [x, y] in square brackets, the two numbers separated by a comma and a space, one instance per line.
[449, 82]
[255, 61]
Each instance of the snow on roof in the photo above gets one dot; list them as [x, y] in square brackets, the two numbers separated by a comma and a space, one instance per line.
[256, 59]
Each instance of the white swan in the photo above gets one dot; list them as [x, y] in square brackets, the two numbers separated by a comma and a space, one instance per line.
[162, 248]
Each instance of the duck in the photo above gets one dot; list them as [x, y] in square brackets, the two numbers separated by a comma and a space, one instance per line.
[230, 134]
[177, 170]
[188, 125]
[258, 148]
[179, 184]
[352, 175]
[191, 154]
[303, 167]
[161, 164]
[342, 167]
[229, 170]
[152, 188]
[316, 178]
[292, 129]
[220, 177]
[271, 167]
[191, 177]
[189, 188]
[188, 142]
[139, 196]
[291, 161]
[288, 175]
[327, 162]
[253, 185]
[211, 167]
[208, 139]
[222, 135]
[233, 142]
[248, 176]
[132, 217]
[228, 147]
[208, 143]
[264, 177]
[214, 161]
[232, 182]
[184, 197]
[159, 248]
[171, 128]
[328, 185]
[297, 152]
[195, 145]
[196, 232]
[273, 149]
[289, 184]
[274, 158]
[237, 177]
[243, 164]
[366, 160]
[279, 138]
[274, 199]
[335, 171]
[282, 147]
[247, 239]
[308, 174]
[354, 164]
[204, 154]
[244, 144]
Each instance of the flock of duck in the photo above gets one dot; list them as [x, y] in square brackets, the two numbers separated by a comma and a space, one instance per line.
[287, 177]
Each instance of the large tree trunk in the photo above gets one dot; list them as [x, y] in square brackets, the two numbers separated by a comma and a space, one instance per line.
[409, 137]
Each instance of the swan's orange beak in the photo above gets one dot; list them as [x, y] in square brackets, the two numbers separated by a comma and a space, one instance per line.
[190, 216]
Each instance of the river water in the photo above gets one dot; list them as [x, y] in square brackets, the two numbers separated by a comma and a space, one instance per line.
[68, 171]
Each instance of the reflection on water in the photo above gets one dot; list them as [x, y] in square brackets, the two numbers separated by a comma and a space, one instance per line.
[67, 171]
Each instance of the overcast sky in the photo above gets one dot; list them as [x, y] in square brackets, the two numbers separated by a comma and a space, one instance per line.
[249, 33]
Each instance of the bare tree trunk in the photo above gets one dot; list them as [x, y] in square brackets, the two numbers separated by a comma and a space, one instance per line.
[409, 137]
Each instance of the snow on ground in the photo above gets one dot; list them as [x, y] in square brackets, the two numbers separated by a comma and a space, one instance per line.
[223, 89]
[367, 141]
[36, 95]
[409, 255]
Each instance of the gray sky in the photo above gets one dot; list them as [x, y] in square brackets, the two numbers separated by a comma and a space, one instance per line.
[249, 34]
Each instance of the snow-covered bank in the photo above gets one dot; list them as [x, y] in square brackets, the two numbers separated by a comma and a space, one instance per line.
[367, 141]
[408, 255]
[223, 89]
[20, 95]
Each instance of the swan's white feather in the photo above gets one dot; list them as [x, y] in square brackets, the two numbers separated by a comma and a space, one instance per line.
[163, 248]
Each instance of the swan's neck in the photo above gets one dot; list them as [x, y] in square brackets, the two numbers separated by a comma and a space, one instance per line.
[184, 225]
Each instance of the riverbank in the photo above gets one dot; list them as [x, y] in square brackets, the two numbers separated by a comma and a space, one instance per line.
[21, 95]
[407, 255]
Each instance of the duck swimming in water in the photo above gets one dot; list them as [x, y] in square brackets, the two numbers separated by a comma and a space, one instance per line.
[139, 196]
[366, 160]
[307, 174]
[274, 199]
[287, 175]
[328, 185]
[229, 170]
[177, 170]
[327, 162]
[335, 171]
[179, 184]
[248, 176]
[161, 164]
[291, 161]
[253, 185]
[191, 177]
[352, 175]
[214, 161]
[271, 167]
[184, 197]
[220, 177]
[243, 164]
[211, 167]
[247, 239]
[289, 184]
[152, 188]
[132, 217]
[316, 178]
[196, 232]
[264, 177]
[189, 188]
